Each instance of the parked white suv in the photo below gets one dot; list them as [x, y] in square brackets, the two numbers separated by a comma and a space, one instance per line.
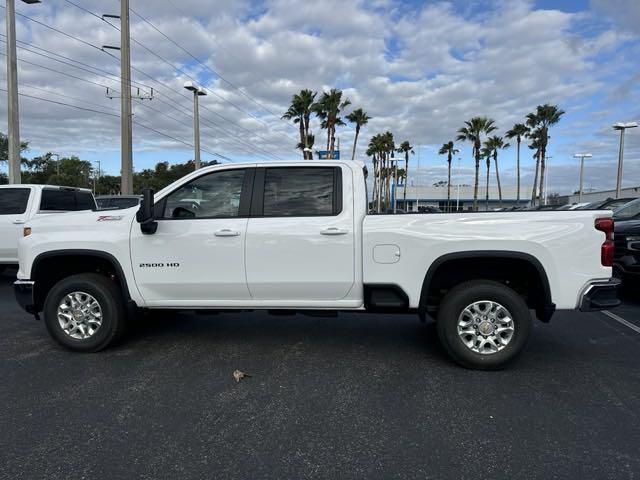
[296, 236]
[21, 203]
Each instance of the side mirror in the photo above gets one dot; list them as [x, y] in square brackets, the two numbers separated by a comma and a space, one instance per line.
[144, 216]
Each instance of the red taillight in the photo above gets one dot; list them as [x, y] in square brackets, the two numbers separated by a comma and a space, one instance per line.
[606, 251]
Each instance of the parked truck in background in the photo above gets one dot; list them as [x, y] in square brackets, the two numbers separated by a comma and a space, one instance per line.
[296, 236]
[19, 204]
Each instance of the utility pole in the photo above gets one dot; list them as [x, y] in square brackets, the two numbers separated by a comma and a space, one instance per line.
[126, 140]
[197, 92]
[13, 110]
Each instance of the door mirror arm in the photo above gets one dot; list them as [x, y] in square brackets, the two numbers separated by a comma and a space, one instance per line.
[145, 216]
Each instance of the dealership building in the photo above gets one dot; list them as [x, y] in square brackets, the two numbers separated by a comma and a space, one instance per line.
[461, 197]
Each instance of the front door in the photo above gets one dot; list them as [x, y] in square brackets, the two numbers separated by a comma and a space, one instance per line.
[197, 255]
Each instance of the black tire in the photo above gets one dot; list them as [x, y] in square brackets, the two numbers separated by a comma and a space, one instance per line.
[466, 294]
[108, 296]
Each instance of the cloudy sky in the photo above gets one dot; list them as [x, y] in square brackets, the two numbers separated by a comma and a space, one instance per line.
[420, 69]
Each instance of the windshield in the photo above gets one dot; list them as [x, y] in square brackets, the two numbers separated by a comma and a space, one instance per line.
[628, 211]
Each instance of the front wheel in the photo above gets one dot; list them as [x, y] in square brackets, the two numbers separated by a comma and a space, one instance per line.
[483, 324]
[85, 312]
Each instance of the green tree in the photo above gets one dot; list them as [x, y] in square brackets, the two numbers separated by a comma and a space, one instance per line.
[328, 110]
[449, 150]
[518, 131]
[360, 118]
[544, 117]
[4, 147]
[472, 132]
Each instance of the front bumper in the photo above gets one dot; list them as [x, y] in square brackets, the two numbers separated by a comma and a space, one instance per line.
[24, 295]
[600, 296]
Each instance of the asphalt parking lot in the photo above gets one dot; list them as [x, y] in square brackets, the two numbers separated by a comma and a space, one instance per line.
[355, 396]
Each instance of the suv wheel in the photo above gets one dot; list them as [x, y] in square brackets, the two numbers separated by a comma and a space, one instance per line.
[483, 324]
[85, 312]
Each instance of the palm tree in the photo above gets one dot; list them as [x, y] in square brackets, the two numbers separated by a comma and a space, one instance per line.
[448, 150]
[472, 132]
[328, 110]
[486, 154]
[360, 118]
[492, 145]
[310, 140]
[536, 146]
[518, 131]
[300, 112]
[544, 116]
[406, 148]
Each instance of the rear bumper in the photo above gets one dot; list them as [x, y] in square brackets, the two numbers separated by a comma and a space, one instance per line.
[23, 290]
[600, 296]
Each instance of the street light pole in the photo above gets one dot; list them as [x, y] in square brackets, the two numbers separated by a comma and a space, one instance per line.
[95, 182]
[197, 92]
[622, 127]
[581, 156]
[458, 188]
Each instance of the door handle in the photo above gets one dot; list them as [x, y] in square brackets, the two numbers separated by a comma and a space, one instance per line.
[19, 222]
[333, 231]
[227, 232]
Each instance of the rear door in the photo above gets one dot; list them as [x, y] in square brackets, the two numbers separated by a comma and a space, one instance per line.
[14, 205]
[300, 237]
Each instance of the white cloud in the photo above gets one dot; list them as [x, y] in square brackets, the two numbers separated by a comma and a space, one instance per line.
[418, 71]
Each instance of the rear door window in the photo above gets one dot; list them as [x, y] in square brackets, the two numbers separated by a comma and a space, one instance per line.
[54, 200]
[13, 201]
[301, 192]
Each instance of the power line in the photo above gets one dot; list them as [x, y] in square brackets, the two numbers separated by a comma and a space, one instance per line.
[67, 96]
[102, 71]
[176, 68]
[116, 115]
[22, 60]
[135, 69]
[116, 91]
[64, 104]
[228, 82]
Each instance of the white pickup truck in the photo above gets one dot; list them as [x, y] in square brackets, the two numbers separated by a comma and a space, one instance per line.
[296, 236]
[20, 204]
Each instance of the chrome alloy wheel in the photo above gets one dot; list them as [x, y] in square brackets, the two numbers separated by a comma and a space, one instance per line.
[79, 315]
[485, 327]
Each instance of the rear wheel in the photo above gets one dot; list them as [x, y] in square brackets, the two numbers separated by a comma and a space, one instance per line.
[483, 324]
[85, 312]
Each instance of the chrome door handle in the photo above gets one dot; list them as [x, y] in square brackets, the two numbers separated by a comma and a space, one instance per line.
[227, 232]
[19, 222]
[333, 231]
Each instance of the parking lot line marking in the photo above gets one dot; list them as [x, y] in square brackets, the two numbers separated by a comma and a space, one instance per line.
[621, 320]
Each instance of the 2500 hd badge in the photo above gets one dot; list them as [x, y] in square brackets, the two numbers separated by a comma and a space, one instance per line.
[160, 265]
